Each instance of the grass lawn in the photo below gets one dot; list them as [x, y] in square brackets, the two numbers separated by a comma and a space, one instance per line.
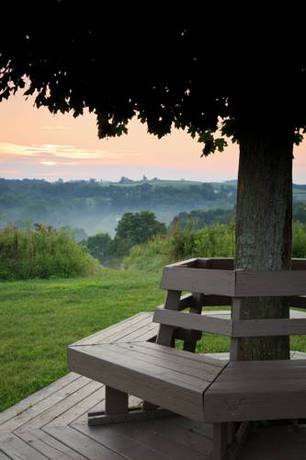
[38, 319]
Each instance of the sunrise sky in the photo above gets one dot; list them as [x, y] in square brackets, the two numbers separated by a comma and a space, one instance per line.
[36, 144]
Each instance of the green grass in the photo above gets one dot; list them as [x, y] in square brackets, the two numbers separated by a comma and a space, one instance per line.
[39, 318]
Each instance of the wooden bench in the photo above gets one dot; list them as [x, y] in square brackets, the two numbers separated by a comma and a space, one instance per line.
[197, 386]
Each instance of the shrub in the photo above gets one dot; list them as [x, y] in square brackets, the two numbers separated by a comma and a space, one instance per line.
[42, 252]
[211, 241]
[299, 240]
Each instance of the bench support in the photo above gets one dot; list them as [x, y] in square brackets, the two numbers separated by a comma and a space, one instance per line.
[118, 411]
[228, 440]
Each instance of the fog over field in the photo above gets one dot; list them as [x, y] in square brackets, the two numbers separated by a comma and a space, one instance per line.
[97, 206]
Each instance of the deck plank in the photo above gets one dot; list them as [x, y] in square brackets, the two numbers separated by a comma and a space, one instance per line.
[81, 407]
[112, 437]
[59, 407]
[156, 434]
[49, 446]
[3, 456]
[44, 405]
[183, 434]
[40, 395]
[117, 331]
[85, 445]
[16, 448]
[276, 443]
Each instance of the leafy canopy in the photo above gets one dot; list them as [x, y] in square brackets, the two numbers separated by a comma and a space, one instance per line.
[146, 64]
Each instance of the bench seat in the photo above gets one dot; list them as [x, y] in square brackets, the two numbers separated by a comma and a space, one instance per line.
[173, 379]
[258, 390]
[194, 385]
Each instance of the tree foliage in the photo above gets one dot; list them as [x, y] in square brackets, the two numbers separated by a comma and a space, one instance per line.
[136, 228]
[120, 65]
[100, 247]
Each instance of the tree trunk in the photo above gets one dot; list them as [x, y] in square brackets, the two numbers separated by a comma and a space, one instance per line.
[264, 230]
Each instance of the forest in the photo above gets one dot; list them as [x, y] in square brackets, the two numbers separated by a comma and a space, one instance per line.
[97, 206]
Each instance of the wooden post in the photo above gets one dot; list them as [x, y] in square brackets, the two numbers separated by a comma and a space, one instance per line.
[190, 342]
[166, 333]
[219, 440]
[116, 402]
[235, 314]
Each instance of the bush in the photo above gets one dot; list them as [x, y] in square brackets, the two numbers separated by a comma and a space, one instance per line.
[299, 240]
[42, 252]
[148, 257]
[211, 241]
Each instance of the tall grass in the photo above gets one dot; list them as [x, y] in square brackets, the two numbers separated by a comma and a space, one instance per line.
[211, 241]
[42, 252]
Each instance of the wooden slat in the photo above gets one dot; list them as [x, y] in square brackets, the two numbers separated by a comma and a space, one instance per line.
[44, 405]
[40, 395]
[166, 333]
[181, 431]
[168, 388]
[183, 263]
[16, 448]
[257, 390]
[193, 321]
[210, 281]
[205, 370]
[116, 438]
[117, 331]
[195, 358]
[283, 283]
[59, 407]
[224, 263]
[162, 444]
[81, 408]
[269, 327]
[145, 332]
[48, 446]
[83, 444]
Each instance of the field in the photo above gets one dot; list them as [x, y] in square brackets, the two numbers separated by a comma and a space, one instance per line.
[38, 319]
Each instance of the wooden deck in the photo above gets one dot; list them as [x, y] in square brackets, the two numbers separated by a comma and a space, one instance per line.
[52, 423]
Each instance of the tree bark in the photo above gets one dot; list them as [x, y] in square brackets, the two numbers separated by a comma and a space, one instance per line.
[264, 230]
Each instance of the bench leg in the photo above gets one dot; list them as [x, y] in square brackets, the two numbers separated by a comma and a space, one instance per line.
[220, 438]
[117, 410]
[116, 402]
[228, 440]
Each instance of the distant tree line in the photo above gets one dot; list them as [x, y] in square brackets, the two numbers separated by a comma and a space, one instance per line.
[57, 202]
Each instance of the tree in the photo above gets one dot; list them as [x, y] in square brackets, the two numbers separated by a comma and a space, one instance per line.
[136, 228]
[171, 73]
[100, 247]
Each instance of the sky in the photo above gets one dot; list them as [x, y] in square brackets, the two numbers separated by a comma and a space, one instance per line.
[37, 144]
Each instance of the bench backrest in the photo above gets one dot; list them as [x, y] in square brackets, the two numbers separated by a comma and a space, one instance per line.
[173, 318]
